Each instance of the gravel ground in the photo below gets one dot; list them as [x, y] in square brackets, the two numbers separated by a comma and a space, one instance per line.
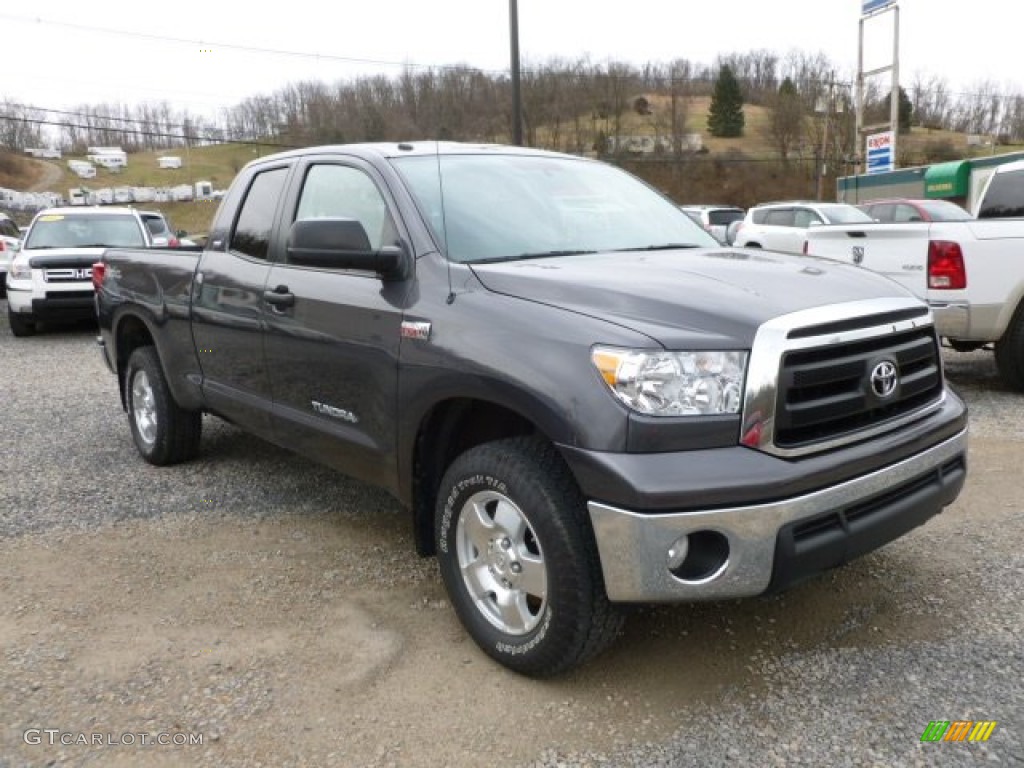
[275, 608]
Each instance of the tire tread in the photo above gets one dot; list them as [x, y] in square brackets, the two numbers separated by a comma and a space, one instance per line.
[182, 429]
[524, 460]
[1010, 352]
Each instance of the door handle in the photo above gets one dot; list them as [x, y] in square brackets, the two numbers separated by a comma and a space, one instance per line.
[279, 297]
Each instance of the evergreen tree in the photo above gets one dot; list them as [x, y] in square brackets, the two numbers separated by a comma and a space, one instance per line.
[905, 110]
[725, 117]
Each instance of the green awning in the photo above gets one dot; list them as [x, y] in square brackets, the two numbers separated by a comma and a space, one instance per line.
[947, 179]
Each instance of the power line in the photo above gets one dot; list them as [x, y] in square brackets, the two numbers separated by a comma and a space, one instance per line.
[153, 134]
[236, 46]
[97, 116]
[534, 71]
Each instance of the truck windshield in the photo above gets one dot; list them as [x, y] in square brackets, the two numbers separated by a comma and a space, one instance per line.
[503, 207]
[51, 230]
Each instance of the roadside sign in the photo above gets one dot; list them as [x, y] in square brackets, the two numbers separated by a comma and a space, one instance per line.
[881, 152]
[870, 6]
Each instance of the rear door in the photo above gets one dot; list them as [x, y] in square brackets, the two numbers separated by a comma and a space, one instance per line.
[332, 346]
[227, 306]
[778, 230]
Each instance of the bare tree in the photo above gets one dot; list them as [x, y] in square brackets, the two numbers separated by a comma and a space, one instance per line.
[786, 124]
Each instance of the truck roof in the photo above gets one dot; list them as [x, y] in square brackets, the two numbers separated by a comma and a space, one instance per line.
[410, 148]
[79, 210]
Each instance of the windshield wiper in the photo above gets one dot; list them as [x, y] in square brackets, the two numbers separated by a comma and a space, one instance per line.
[537, 255]
[662, 247]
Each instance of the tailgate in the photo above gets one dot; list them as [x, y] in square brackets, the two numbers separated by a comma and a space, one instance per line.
[898, 251]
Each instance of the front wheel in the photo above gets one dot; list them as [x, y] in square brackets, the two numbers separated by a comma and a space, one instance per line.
[164, 432]
[518, 558]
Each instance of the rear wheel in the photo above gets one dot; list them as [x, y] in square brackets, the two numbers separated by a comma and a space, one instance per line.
[518, 558]
[164, 433]
[21, 325]
[1010, 352]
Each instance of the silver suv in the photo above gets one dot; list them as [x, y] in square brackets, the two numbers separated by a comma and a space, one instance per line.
[713, 219]
[783, 226]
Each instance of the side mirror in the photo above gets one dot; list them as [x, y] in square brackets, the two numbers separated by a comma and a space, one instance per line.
[343, 244]
[180, 234]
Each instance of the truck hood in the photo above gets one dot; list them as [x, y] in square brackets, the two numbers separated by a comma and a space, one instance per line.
[46, 258]
[686, 296]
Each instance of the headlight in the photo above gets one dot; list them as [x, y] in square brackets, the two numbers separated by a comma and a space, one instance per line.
[674, 383]
[20, 271]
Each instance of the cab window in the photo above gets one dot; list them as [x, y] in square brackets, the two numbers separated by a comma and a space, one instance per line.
[252, 231]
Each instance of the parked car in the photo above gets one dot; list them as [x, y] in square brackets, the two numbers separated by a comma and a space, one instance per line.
[160, 230]
[783, 226]
[715, 219]
[10, 243]
[899, 210]
[50, 278]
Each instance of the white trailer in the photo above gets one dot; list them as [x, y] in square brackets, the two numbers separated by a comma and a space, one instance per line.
[110, 161]
[43, 153]
[169, 161]
[82, 169]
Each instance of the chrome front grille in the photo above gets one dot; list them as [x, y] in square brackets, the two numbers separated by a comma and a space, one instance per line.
[830, 376]
[828, 391]
[67, 275]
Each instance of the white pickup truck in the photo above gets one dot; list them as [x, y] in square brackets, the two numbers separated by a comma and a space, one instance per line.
[971, 272]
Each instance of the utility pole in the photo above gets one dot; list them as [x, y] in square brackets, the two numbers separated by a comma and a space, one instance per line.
[822, 169]
[517, 100]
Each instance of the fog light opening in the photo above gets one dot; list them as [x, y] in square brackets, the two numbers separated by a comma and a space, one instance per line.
[698, 556]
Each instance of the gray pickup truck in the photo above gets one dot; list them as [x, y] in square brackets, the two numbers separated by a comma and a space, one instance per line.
[582, 398]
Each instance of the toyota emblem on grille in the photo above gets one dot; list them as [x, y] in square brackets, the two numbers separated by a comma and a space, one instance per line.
[883, 379]
[858, 254]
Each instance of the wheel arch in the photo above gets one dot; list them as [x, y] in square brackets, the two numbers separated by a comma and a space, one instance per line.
[131, 330]
[449, 428]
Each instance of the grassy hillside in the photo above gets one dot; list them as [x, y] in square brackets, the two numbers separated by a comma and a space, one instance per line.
[740, 171]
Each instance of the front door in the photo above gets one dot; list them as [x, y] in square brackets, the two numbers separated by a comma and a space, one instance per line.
[332, 350]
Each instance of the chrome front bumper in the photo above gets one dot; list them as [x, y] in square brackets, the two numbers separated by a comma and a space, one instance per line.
[634, 548]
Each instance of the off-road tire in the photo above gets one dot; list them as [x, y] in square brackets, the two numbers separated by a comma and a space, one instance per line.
[574, 621]
[164, 433]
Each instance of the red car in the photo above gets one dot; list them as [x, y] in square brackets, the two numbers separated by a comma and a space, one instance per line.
[899, 210]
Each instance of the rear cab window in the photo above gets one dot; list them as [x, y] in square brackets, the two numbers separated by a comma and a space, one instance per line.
[1004, 197]
[251, 234]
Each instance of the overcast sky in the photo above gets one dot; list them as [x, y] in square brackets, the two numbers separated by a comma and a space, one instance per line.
[55, 55]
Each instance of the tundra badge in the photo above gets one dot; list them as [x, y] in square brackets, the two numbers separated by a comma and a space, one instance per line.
[338, 413]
